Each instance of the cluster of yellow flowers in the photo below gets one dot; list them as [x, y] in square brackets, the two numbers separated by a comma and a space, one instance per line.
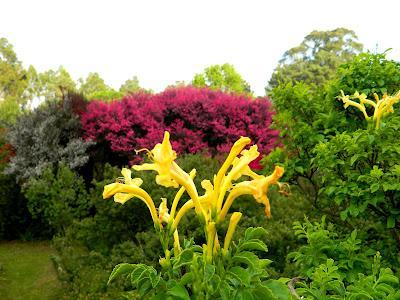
[382, 107]
[213, 206]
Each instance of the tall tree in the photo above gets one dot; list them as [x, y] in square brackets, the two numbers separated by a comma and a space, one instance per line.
[223, 77]
[92, 84]
[13, 82]
[130, 86]
[317, 58]
[55, 84]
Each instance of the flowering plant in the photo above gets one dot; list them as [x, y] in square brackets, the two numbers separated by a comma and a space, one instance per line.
[381, 107]
[225, 270]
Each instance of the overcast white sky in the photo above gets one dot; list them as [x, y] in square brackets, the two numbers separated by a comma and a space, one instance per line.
[166, 41]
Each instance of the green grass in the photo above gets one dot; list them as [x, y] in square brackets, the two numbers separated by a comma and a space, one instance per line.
[27, 272]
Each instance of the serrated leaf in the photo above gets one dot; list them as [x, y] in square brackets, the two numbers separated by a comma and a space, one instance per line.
[262, 292]
[179, 292]
[246, 257]
[209, 272]
[254, 233]
[185, 279]
[120, 269]
[279, 289]
[254, 244]
[185, 257]
[240, 275]
[243, 295]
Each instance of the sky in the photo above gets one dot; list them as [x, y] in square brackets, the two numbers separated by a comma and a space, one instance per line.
[165, 41]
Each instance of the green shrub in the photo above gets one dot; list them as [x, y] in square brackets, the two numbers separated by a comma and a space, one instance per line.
[56, 198]
[362, 172]
[327, 283]
[304, 118]
[45, 137]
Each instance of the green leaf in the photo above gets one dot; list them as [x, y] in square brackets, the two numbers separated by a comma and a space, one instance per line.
[184, 258]
[187, 278]
[279, 289]
[254, 233]
[243, 295]
[262, 292]
[120, 269]
[254, 244]
[391, 222]
[247, 258]
[179, 292]
[209, 271]
[239, 275]
[138, 273]
[374, 187]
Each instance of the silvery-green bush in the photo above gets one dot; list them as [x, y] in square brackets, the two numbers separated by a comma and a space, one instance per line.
[46, 136]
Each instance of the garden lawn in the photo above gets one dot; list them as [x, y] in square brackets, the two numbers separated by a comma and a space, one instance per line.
[27, 272]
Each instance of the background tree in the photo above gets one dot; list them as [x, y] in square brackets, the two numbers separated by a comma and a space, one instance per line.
[13, 82]
[55, 84]
[316, 59]
[222, 77]
[130, 86]
[95, 88]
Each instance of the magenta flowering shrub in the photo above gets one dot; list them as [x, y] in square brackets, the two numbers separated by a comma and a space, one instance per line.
[199, 120]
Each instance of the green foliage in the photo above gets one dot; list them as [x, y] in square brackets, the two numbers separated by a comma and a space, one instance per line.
[368, 73]
[304, 119]
[56, 199]
[379, 283]
[324, 243]
[240, 274]
[222, 77]
[317, 58]
[130, 86]
[106, 95]
[362, 172]
[51, 84]
[44, 137]
[14, 81]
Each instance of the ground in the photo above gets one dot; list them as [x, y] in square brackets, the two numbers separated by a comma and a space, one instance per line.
[27, 272]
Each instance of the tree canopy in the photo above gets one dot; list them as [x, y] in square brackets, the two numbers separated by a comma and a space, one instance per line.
[316, 59]
[222, 77]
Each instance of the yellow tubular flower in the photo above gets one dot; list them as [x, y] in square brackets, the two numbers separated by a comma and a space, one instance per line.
[124, 192]
[256, 187]
[179, 194]
[235, 218]
[211, 233]
[169, 173]
[163, 157]
[216, 245]
[235, 151]
[182, 211]
[177, 245]
[163, 215]
[240, 167]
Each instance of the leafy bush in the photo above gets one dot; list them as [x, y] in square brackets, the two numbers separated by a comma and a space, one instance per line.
[379, 283]
[201, 120]
[362, 173]
[368, 73]
[304, 119]
[44, 137]
[323, 242]
[56, 198]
